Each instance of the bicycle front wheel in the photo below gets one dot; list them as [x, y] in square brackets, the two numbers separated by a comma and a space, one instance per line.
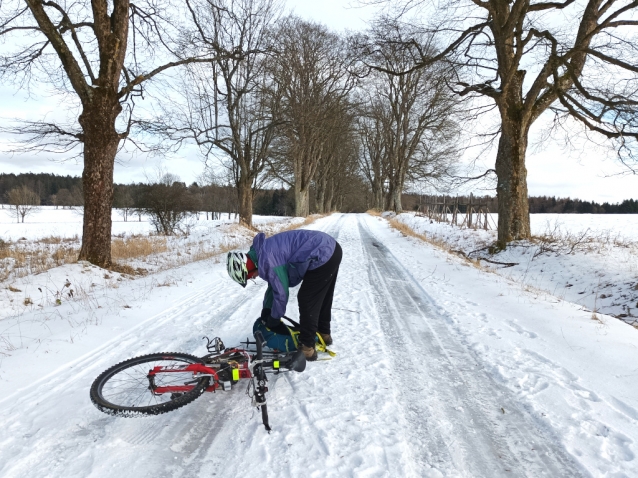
[148, 385]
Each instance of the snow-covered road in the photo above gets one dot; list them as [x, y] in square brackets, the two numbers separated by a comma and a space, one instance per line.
[442, 370]
[452, 404]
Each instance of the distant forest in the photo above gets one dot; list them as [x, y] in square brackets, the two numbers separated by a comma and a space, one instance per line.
[537, 204]
[66, 191]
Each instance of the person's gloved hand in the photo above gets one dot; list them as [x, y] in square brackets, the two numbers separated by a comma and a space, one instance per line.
[268, 320]
[272, 323]
[276, 325]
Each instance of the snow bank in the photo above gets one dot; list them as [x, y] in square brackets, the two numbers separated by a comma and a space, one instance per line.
[593, 263]
[575, 375]
[32, 288]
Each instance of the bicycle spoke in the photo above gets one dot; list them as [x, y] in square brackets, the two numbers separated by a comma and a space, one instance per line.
[130, 387]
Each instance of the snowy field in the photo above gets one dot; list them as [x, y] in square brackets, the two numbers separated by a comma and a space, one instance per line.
[591, 260]
[443, 370]
[48, 221]
[623, 225]
[29, 280]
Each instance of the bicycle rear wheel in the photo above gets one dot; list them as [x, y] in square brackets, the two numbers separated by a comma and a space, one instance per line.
[128, 389]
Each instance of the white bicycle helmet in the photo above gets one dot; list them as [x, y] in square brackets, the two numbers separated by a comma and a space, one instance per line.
[237, 269]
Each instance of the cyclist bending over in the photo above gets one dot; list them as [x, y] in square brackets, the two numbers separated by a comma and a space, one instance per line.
[284, 260]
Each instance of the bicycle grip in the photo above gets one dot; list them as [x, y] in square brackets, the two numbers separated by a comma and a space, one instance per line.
[259, 338]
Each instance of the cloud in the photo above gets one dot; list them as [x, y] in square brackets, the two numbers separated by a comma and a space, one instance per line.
[336, 14]
[594, 175]
[551, 171]
[131, 169]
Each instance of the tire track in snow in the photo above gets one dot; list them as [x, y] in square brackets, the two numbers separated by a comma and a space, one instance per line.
[455, 408]
[346, 422]
[199, 461]
[149, 336]
[55, 431]
[52, 429]
[27, 450]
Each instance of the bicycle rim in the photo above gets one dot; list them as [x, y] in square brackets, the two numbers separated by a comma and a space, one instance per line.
[125, 388]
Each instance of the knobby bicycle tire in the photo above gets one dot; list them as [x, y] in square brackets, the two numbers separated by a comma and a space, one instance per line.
[128, 375]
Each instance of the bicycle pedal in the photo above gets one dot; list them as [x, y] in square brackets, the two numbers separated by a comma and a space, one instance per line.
[226, 386]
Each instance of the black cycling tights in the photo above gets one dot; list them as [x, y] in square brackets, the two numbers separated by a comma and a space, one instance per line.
[315, 298]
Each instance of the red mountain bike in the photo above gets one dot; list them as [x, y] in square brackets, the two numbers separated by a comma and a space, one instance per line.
[158, 383]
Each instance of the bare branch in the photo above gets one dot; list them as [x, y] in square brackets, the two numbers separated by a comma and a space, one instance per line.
[537, 7]
[67, 25]
[69, 62]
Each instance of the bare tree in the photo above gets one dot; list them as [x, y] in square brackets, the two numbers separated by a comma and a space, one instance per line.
[64, 198]
[25, 201]
[312, 76]
[524, 59]
[224, 109]
[373, 127]
[338, 158]
[68, 199]
[167, 203]
[211, 197]
[123, 201]
[99, 53]
[410, 130]
[343, 178]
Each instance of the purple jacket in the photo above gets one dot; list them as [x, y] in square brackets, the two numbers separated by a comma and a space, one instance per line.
[284, 259]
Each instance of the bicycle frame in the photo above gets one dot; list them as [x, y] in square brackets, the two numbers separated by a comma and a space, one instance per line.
[252, 367]
[242, 370]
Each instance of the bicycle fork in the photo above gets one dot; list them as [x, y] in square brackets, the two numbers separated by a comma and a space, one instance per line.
[259, 376]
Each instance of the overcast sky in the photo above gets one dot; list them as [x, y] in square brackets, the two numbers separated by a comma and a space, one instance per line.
[589, 173]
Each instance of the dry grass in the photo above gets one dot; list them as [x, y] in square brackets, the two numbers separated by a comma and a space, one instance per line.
[157, 252]
[559, 242]
[438, 243]
[408, 231]
[126, 269]
[136, 247]
[22, 258]
[374, 212]
[57, 240]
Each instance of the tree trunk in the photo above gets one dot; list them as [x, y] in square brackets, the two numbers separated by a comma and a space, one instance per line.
[301, 202]
[377, 195]
[395, 200]
[321, 195]
[328, 202]
[100, 146]
[245, 193]
[511, 190]
[388, 200]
